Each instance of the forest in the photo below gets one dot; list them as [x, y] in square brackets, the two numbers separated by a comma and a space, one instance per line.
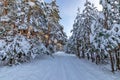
[96, 34]
[31, 28]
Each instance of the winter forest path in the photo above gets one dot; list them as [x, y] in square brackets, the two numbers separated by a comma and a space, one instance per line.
[61, 67]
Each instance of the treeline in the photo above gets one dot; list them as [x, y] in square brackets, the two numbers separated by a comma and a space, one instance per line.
[96, 34]
[29, 28]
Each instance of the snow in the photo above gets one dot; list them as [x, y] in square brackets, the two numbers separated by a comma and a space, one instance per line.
[5, 18]
[61, 67]
[103, 2]
[101, 15]
[109, 7]
[24, 44]
[41, 1]
[23, 26]
[31, 4]
[20, 13]
[2, 43]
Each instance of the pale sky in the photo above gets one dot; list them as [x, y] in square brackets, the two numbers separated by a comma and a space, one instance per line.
[68, 11]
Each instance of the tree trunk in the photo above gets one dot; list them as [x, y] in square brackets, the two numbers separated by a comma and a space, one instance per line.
[88, 57]
[5, 12]
[117, 61]
[83, 55]
[5, 4]
[78, 52]
[112, 61]
[97, 59]
[92, 57]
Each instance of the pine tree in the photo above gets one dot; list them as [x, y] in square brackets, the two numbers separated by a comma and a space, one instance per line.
[82, 28]
[28, 28]
[96, 33]
[111, 22]
[54, 34]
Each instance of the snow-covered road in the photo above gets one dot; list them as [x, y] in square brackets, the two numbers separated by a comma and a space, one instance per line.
[61, 67]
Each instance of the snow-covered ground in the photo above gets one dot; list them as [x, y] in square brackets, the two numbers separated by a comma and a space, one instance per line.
[61, 67]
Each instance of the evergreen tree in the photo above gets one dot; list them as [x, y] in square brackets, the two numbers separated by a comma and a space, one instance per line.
[28, 28]
[111, 22]
[96, 33]
[55, 34]
[82, 28]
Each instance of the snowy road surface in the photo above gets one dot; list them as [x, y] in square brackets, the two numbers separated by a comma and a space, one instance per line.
[61, 67]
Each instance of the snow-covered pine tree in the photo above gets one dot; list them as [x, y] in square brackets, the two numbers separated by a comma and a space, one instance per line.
[82, 29]
[77, 30]
[70, 46]
[4, 17]
[89, 15]
[24, 29]
[56, 38]
[111, 25]
[111, 12]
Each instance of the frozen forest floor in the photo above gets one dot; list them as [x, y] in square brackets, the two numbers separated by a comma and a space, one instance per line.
[61, 67]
